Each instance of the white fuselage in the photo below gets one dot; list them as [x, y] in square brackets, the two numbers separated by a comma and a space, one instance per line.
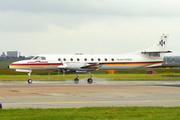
[76, 62]
[82, 63]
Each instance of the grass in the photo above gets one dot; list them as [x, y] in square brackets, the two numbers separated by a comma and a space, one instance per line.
[113, 77]
[139, 74]
[89, 113]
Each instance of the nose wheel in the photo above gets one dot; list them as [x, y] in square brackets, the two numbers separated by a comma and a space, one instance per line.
[29, 81]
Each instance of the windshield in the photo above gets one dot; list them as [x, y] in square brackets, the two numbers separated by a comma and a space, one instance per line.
[39, 58]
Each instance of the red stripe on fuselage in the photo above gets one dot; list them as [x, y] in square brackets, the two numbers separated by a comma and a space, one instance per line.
[130, 63]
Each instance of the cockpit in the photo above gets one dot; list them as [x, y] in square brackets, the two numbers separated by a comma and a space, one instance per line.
[39, 58]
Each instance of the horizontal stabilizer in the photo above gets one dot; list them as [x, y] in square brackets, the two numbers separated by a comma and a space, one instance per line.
[148, 52]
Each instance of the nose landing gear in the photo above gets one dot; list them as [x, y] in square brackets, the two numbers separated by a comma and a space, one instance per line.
[29, 80]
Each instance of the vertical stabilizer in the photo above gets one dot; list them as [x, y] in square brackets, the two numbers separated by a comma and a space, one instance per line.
[158, 50]
[160, 46]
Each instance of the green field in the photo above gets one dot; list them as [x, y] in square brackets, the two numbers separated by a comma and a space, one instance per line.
[114, 77]
[140, 74]
[93, 113]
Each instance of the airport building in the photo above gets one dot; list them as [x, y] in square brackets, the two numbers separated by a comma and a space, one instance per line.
[12, 53]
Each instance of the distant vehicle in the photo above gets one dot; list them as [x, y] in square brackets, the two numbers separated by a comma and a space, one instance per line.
[83, 63]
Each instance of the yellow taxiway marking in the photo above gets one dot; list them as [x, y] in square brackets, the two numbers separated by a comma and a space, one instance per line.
[145, 101]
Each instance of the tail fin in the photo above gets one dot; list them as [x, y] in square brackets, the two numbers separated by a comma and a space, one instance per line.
[160, 46]
[156, 52]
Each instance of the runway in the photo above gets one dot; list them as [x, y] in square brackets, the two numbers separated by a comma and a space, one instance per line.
[66, 94]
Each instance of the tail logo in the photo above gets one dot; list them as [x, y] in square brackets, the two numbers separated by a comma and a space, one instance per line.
[162, 42]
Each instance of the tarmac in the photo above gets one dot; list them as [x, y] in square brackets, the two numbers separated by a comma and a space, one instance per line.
[66, 94]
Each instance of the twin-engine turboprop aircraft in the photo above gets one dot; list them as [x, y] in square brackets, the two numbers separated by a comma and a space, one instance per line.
[83, 63]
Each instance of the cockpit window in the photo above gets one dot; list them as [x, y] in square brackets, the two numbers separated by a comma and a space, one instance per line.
[39, 58]
[35, 58]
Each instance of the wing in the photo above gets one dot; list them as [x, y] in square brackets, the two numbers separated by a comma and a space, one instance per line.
[93, 66]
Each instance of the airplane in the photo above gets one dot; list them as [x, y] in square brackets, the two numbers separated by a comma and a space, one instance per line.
[85, 63]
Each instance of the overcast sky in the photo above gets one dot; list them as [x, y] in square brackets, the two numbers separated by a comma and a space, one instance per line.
[87, 26]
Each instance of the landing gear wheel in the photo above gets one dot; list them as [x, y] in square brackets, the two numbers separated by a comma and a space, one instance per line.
[89, 80]
[76, 80]
[29, 81]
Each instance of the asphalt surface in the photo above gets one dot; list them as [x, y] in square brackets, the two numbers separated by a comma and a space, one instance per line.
[66, 94]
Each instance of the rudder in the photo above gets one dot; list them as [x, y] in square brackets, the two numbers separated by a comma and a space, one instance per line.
[161, 44]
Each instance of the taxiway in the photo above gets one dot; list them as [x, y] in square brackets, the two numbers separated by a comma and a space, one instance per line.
[66, 94]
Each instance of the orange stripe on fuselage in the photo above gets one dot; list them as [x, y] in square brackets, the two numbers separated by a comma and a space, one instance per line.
[33, 65]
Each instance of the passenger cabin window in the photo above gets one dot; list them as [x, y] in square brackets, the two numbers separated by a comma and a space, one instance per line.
[92, 59]
[105, 59]
[99, 59]
[112, 59]
[71, 59]
[64, 59]
[59, 59]
[85, 59]
[78, 59]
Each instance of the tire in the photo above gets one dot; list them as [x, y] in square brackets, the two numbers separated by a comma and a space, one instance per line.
[76, 80]
[89, 80]
[29, 81]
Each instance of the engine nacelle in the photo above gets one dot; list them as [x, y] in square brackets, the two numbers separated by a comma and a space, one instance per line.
[73, 66]
[81, 72]
[76, 66]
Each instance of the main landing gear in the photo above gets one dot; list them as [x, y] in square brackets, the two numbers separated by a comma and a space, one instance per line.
[90, 80]
[29, 80]
[76, 80]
